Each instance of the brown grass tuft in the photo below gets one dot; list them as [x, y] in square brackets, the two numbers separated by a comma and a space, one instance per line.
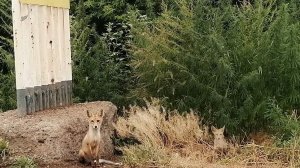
[167, 139]
[164, 140]
[150, 126]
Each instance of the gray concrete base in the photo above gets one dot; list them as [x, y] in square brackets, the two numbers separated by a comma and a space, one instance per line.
[39, 98]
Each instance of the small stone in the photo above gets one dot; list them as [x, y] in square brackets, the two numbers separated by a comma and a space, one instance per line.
[41, 140]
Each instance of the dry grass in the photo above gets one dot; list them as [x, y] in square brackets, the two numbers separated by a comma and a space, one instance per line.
[24, 162]
[256, 155]
[3, 148]
[178, 141]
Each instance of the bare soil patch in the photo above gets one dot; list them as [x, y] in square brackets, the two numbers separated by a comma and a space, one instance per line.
[53, 137]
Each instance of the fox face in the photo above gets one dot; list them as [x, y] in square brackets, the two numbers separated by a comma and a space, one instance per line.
[219, 140]
[95, 119]
[218, 133]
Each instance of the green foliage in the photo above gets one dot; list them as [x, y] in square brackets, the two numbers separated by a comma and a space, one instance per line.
[116, 10]
[3, 148]
[7, 77]
[227, 61]
[24, 162]
[98, 71]
[7, 91]
[100, 50]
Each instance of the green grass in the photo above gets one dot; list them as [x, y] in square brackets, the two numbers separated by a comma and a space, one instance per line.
[24, 162]
[3, 148]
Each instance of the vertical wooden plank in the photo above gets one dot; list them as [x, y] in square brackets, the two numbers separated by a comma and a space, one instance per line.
[32, 66]
[61, 55]
[67, 44]
[19, 65]
[44, 52]
[35, 37]
[51, 54]
[57, 56]
[67, 49]
[26, 49]
[19, 59]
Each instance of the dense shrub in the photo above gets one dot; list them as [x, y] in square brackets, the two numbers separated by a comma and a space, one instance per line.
[100, 51]
[227, 61]
[7, 78]
[100, 63]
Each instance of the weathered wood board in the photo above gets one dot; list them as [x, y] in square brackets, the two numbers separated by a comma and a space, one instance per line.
[42, 54]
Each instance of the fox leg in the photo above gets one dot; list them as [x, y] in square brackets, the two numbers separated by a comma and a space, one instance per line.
[94, 163]
[97, 154]
[94, 159]
[93, 155]
[82, 156]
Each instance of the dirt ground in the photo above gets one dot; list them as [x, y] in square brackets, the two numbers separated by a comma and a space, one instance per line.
[53, 137]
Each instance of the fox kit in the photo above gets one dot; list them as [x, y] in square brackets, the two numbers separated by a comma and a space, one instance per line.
[220, 143]
[91, 143]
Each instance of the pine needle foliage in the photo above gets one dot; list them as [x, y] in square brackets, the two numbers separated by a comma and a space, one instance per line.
[97, 73]
[225, 60]
[7, 77]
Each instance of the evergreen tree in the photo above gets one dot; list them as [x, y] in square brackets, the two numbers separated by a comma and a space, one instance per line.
[7, 77]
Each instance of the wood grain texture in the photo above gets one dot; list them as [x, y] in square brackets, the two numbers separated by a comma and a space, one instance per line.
[42, 56]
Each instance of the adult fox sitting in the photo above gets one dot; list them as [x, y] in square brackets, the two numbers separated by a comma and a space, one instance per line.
[89, 152]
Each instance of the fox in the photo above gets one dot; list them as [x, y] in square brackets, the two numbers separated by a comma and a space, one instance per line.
[220, 144]
[91, 143]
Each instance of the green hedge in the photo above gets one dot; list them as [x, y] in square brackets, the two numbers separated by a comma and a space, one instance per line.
[238, 65]
[7, 77]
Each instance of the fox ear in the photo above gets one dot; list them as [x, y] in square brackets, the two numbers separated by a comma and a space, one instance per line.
[101, 113]
[223, 128]
[213, 129]
[88, 113]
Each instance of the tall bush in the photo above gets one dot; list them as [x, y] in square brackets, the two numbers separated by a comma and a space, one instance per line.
[100, 49]
[227, 61]
[99, 64]
[7, 77]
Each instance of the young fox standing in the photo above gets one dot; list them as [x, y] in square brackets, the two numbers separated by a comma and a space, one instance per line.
[91, 143]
